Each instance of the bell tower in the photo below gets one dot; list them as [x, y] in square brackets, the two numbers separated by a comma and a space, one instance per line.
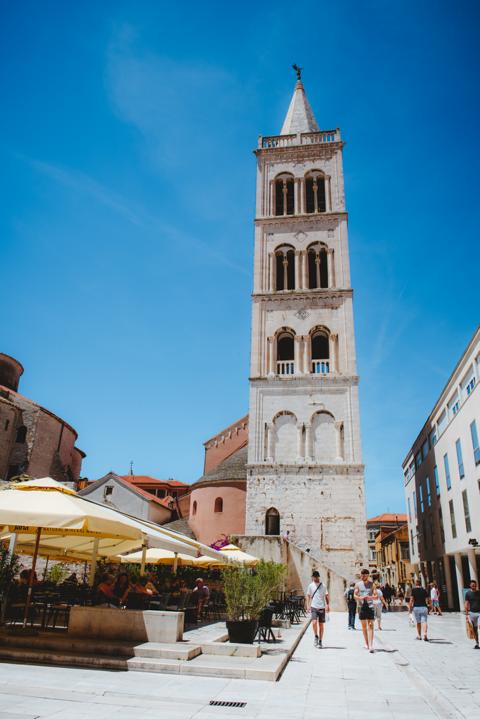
[305, 471]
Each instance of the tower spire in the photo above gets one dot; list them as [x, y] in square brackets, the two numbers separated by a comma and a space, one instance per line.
[299, 117]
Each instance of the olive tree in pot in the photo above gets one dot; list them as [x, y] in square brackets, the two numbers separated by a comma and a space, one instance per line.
[247, 593]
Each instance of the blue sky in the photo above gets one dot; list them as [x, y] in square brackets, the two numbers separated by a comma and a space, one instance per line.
[127, 184]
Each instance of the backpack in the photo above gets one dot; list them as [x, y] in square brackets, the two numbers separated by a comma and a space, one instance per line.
[351, 596]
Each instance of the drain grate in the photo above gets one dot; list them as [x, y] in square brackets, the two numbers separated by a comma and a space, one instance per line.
[228, 704]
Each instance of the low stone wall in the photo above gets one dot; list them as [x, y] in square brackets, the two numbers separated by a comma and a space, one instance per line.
[129, 625]
[300, 566]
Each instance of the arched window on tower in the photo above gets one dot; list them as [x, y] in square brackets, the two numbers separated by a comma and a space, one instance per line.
[218, 505]
[320, 351]
[285, 353]
[194, 508]
[317, 266]
[284, 268]
[272, 521]
[315, 197]
[284, 195]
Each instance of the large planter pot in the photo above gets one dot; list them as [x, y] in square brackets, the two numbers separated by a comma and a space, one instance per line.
[242, 632]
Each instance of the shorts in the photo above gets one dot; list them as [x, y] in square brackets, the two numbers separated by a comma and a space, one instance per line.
[474, 617]
[377, 608]
[366, 612]
[318, 614]
[420, 614]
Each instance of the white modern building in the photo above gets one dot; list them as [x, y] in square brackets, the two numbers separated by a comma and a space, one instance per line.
[305, 471]
[442, 483]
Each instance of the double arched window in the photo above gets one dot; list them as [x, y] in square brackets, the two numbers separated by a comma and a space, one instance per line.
[286, 352]
[317, 266]
[285, 268]
[315, 192]
[284, 199]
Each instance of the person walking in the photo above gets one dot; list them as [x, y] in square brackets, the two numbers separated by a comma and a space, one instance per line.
[318, 603]
[378, 604]
[364, 594]
[472, 608]
[435, 599]
[419, 602]
[351, 605]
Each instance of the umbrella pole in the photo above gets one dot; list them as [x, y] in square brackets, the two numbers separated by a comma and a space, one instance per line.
[30, 581]
[45, 570]
[93, 563]
[12, 543]
[144, 558]
[175, 563]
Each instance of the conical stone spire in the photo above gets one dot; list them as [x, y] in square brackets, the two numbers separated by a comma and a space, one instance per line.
[300, 117]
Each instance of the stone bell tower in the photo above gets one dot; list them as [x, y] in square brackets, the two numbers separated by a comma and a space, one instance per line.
[305, 471]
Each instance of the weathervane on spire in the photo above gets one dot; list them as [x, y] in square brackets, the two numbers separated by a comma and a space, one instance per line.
[298, 70]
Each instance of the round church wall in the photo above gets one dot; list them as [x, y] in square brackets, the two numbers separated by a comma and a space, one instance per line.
[217, 509]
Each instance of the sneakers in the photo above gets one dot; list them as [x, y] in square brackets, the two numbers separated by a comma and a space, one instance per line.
[425, 639]
[315, 642]
[319, 644]
[477, 646]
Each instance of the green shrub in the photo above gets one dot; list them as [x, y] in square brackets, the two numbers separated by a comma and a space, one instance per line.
[9, 566]
[57, 573]
[248, 591]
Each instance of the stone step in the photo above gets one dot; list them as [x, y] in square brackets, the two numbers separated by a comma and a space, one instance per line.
[231, 649]
[64, 643]
[156, 650]
[71, 659]
[150, 664]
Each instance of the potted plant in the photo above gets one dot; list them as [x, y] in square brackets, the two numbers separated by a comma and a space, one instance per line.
[9, 566]
[247, 593]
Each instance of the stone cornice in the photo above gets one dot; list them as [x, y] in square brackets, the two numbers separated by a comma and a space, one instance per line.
[320, 298]
[307, 469]
[314, 151]
[319, 218]
[313, 381]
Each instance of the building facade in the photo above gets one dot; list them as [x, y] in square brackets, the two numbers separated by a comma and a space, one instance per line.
[442, 483]
[305, 471]
[33, 440]
[388, 521]
[392, 556]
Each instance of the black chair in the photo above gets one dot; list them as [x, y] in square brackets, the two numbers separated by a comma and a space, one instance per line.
[136, 600]
[264, 631]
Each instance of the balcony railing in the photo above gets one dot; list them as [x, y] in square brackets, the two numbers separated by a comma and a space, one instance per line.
[286, 367]
[320, 366]
[303, 138]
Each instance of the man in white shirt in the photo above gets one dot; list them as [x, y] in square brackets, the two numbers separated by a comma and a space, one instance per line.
[317, 604]
[435, 597]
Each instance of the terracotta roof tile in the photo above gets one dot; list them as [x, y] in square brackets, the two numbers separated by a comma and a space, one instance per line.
[387, 517]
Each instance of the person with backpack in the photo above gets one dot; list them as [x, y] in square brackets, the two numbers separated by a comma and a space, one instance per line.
[351, 605]
[317, 602]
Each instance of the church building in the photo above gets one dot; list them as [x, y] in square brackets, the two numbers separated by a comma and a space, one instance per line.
[303, 468]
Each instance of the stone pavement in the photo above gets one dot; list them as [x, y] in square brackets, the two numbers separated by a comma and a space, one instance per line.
[403, 678]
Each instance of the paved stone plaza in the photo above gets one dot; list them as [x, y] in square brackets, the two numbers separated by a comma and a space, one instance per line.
[404, 678]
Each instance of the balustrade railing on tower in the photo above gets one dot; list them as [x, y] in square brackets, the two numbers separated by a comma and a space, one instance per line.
[320, 366]
[285, 367]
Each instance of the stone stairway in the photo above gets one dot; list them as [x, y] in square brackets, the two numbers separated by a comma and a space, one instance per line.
[62, 650]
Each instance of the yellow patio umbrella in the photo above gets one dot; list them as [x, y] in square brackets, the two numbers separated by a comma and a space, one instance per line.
[156, 555]
[227, 556]
[49, 518]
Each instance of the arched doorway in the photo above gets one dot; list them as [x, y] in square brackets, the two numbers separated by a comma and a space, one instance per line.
[272, 521]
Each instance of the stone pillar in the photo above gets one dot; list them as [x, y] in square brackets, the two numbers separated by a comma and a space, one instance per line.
[297, 349]
[298, 269]
[328, 195]
[308, 443]
[296, 196]
[317, 269]
[333, 353]
[339, 442]
[448, 581]
[270, 443]
[305, 270]
[308, 355]
[301, 186]
[272, 258]
[285, 272]
[270, 209]
[300, 453]
[330, 267]
[459, 573]
[270, 356]
[472, 564]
